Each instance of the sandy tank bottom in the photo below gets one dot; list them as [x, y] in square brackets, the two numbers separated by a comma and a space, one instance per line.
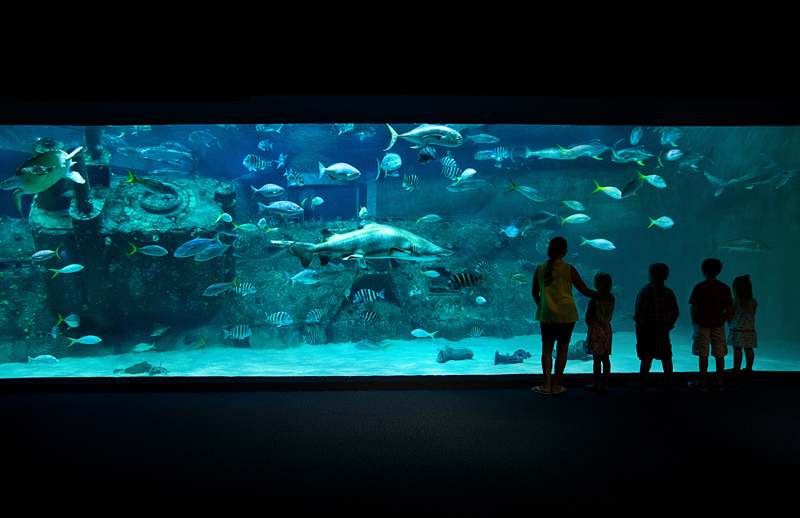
[413, 357]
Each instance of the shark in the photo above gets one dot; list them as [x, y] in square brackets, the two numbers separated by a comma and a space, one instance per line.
[371, 241]
[769, 173]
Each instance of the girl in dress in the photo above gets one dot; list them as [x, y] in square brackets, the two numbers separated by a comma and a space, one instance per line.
[741, 328]
[598, 337]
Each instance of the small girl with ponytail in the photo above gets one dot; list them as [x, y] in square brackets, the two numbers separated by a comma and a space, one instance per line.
[741, 329]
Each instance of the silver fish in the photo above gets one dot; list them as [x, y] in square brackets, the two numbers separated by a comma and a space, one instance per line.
[553, 153]
[589, 149]
[43, 255]
[389, 165]
[215, 249]
[193, 247]
[635, 154]
[540, 217]
[339, 171]
[600, 244]
[636, 135]
[307, 276]
[369, 345]
[161, 154]
[217, 289]
[203, 137]
[469, 184]
[151, 250]
[482, 138]
[426, 134]
[740, 245]
[43, 358]
[268, 190]
[528, 192]
[282, 208]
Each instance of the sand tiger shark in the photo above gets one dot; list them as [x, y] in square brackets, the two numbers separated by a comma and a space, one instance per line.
[372, 241]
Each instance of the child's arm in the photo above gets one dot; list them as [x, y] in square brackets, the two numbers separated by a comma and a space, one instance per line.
[578, 283]
[535, 288]
[693, 312]
[728, 314]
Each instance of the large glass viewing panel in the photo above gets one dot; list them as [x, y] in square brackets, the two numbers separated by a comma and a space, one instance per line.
[373, 249]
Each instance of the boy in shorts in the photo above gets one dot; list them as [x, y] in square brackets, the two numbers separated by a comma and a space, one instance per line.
[655, 313]
[712, 306]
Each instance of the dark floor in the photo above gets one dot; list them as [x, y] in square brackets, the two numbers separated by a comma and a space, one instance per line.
[461, 450]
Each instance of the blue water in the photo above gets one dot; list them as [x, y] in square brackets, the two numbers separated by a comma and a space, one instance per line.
[471, 226]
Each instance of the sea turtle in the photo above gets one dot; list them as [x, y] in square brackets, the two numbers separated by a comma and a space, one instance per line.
[41, 172]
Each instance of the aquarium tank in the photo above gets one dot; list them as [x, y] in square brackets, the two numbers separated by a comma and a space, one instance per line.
[374, 248]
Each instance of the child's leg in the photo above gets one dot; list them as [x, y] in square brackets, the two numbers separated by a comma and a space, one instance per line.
[737, 359]
[750, 356]
[606, 360]
[596, 368]
[644, 370]
[667, 366]
[720, 363]
[703, 362]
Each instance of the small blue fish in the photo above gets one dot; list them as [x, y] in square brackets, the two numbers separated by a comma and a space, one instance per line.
[510, 231]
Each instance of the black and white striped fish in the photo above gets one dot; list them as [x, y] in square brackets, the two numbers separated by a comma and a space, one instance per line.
[367, 295]
[254, 162]
[244, 288]
[294, 178]
[315, 315]
[410, 182]
[449, 167]
[368, 316]
[417, 323]
[280, 319]
[476, 332]
[239, 332]
[462, 280]
[503, 153]
[481, 267]
[314, 337]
